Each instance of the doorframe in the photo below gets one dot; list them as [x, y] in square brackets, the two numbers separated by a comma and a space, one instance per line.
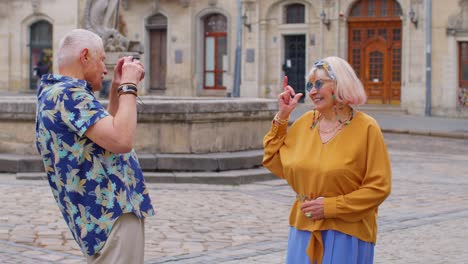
[385, 65]
[283, 55]
[147, 43]
[42, 47]
[25, 51]
[364, 24]
[198, 62]
[150, 88]
[294, 31]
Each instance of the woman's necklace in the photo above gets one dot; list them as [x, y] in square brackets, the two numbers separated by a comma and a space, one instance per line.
[347, 120]
[317, 118]
[325, 131]
[327, 135]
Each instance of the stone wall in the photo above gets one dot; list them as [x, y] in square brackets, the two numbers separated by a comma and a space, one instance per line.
[15, 33]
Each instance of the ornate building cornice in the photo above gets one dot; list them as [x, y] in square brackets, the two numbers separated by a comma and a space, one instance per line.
[458, 23]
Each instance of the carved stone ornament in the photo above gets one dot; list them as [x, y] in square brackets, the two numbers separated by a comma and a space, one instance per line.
[212, 2]
[185, 3]
[156, 6]
[125, 4]
[459, 23]
[100, 18]
[35, 5]
[328, 3]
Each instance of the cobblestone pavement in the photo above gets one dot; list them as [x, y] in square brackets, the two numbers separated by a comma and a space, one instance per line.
[425, 220]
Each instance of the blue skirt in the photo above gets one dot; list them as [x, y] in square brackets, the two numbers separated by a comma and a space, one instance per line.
[339, 248]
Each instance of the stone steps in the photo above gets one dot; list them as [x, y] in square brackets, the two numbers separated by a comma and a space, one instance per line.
[231, 177]
[224, 161]
[381, 108]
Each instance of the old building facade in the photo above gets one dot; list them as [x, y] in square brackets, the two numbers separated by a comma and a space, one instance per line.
[412, 53]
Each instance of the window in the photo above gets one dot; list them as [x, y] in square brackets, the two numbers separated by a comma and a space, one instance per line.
[357, 61]
[41, 51]
[156, 21]
[376, 8]
[397, 34]
[376, 66]
[295, 14]
[396, 65]
[215, 56]
[463, 74]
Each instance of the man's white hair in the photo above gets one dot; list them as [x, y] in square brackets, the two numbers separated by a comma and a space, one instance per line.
[74, 42]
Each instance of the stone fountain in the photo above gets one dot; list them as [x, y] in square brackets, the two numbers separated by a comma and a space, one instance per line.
[102, 17]
[173, 133]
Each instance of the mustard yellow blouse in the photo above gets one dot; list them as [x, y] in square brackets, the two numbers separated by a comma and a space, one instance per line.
[351, 171]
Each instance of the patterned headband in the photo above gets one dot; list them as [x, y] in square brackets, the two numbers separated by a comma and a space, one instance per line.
[321, 64]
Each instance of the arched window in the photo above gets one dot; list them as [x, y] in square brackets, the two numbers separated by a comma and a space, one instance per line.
[294, 14]
[41, 51]
[376, 8]
[157, 21]
[215, 51]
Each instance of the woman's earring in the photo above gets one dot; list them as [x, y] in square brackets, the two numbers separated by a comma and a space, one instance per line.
[314, 120]
[337, 115]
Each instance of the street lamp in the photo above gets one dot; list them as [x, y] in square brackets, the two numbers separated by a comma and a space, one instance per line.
[244, 22]
[325, 20]
[413, 18]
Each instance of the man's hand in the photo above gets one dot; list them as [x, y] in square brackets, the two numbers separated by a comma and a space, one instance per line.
[118, 71]
[132, 71]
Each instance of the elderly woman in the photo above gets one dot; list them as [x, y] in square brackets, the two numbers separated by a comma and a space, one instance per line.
[336, 161]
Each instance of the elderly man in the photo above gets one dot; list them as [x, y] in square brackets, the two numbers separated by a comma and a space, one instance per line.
[87, 150]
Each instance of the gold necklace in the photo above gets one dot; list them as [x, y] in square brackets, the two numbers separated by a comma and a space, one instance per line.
[330, 130]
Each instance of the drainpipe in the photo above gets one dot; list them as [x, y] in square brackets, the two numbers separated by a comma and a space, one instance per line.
[116, 18]
[237, 66]
[428, 56]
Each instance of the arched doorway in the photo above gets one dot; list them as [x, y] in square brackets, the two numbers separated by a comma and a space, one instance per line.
[40, 50]
[157, 29]
[375, 48]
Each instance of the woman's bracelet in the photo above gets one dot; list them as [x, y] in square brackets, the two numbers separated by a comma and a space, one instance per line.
[280, 121]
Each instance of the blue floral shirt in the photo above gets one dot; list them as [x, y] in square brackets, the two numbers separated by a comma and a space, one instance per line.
[92, 186]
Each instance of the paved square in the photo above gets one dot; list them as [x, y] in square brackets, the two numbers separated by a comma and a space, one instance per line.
[425, 219]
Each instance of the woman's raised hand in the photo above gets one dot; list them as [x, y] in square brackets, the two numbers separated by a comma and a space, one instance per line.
[287, 100]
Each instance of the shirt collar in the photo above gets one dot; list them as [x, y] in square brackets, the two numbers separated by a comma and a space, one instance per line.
[50, 79]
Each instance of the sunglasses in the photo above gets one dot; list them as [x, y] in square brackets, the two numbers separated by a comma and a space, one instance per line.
[318, 84]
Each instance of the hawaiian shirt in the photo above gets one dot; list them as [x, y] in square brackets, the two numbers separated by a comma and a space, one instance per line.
[92, 186]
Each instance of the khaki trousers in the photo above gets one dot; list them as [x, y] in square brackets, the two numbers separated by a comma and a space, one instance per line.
[125, 244]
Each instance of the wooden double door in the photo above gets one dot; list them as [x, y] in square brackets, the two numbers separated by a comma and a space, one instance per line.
[375, 54]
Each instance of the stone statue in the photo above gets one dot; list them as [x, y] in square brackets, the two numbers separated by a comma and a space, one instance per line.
[100, 17]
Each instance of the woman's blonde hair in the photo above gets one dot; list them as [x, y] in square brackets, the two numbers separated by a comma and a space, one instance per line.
[348, 89]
